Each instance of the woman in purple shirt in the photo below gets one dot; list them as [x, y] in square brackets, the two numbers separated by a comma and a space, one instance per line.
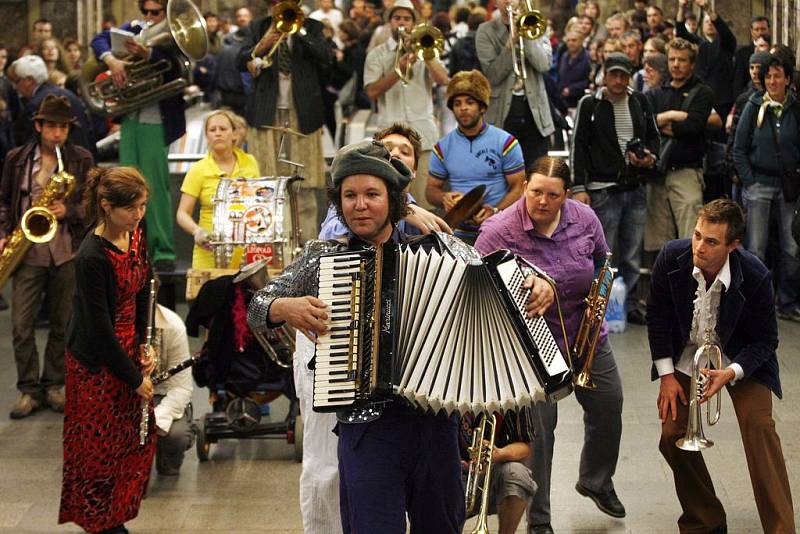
[564, 238]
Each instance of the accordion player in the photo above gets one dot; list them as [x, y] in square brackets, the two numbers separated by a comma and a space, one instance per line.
[431, 321]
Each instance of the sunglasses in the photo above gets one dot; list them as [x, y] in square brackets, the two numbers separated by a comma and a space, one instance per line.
[152, 12]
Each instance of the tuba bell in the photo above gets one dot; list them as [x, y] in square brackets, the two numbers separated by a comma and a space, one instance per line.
[288, 18]
[280, 345]
[37, 224]
[182, 34]
[707, 355]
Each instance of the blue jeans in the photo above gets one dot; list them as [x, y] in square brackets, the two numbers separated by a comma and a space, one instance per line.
[623, 216]
[759, 200]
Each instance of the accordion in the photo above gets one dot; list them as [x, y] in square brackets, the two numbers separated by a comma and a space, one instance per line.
[444, 330]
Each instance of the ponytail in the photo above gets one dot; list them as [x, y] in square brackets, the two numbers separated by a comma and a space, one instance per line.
[119, 186]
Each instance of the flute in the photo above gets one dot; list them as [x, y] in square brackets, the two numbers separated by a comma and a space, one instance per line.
[144, 422]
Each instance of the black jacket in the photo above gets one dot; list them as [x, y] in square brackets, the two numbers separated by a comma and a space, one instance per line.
[715, 61]
[310, 55]
[741, 67]
[689, 135]
[90, 334]
[595, 151]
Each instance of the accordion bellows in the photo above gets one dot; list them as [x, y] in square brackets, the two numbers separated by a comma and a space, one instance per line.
[443, 331]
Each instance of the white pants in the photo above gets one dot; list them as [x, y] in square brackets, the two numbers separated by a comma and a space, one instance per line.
[319, 479]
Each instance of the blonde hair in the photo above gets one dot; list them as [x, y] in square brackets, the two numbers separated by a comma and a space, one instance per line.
[238, 124]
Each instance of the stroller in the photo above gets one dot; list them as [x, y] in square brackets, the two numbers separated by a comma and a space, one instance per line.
[243, 372]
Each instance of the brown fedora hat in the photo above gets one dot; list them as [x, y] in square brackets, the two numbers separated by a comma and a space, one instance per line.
[55, 108]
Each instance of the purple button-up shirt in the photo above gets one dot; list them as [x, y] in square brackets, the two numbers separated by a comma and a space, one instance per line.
[569, 256]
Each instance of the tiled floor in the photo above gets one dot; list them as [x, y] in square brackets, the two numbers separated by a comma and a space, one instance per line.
[252, 486]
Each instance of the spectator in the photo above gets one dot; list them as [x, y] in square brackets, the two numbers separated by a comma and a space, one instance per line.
[212, 29]
[616, 25]
[42, 29]
[464, 56]
[759, 29]
[460, 15]
[327, 11]
[598, 31]
[768, 171]
[632, 47]
[350, 62]
[229, 81]
[690, 22]
[652, 47]
[715, 57]
[73, 54]
[573, 70]
[655, 72]
[655, 18]
[53, 55]
[682, 108]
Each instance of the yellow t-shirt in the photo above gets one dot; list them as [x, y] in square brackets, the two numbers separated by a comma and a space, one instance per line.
[201, 182]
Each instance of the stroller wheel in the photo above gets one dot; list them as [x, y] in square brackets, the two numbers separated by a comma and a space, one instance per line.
[298, 439]
[202, 444]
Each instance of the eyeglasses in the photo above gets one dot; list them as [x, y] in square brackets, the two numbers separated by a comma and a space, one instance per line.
[152, 12]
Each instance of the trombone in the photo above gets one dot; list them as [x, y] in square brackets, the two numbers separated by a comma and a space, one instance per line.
[426, 42]
[524, 23]
[707, 355]
[288, 19]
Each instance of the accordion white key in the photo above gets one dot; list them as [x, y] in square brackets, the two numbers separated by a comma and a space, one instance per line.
[441, 331]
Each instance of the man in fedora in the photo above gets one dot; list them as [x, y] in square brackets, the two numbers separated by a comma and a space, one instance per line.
[410, 101]
[45, 266]
[475, 153]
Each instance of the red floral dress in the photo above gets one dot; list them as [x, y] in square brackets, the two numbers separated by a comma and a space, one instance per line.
[105, 469]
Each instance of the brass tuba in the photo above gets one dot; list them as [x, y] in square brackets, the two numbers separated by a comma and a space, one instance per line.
[288, 18]
[38, 224]
[182, 34]
[480, 472]
[706, 356]
[280, 346]
[591, 323]
[526, 23]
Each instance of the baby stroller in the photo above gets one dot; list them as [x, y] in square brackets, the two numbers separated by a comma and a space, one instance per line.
[243, 372]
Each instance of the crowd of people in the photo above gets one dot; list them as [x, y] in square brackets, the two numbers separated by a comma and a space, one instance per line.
[684, 155]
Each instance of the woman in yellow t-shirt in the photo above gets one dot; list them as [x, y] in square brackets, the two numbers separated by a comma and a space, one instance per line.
[224, 160]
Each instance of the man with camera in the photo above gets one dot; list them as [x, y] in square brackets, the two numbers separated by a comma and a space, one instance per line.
[614, 145]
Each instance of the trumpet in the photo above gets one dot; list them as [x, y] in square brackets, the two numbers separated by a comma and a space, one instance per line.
[708, 354]
[288, 19]
[480, 471]
[524, 23]
[592, 323]
[426, 42]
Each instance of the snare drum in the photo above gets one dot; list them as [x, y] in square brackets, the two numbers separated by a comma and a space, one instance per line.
[254, 214]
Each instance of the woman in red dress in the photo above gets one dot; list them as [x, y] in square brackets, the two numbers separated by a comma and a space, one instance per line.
[106, 470]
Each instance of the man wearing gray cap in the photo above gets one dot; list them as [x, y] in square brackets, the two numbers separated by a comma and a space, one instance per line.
[611, 168]
[409, 101]
[404, 462]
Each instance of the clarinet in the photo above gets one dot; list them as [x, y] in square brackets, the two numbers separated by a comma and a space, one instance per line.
[175, 369]
[144, 423]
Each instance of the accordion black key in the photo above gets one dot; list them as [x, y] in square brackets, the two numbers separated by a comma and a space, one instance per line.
[444, 332]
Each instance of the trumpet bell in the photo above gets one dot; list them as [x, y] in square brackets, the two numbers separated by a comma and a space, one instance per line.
[694, 443]
[427, 42]
[288, 17]
[584, 380]
[531, 24]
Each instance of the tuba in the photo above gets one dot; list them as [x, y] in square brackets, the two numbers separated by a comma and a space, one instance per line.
[182, 34]
[38, 224]
[280, 346]
[479, 475]
[591, 323]
[706, 356]
[288, 19]
[526, 23]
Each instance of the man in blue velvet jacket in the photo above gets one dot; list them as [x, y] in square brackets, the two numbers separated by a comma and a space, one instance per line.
[709, 286]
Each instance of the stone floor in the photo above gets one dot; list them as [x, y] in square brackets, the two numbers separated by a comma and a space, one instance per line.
[251, 486]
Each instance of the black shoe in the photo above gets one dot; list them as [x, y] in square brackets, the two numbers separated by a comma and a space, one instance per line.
[164, 266]
[544, 528]
[607, 502]
[637, 317]
[789, 315]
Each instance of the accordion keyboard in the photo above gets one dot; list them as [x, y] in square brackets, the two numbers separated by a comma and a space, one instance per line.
[337, 351]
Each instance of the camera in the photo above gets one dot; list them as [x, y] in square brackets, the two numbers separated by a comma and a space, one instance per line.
[636, 146]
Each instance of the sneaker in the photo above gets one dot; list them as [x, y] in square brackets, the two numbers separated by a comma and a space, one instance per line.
[544, 528]
[637, 317]
[608, 503]
[789, 315]
[24, 406]
[54, 398]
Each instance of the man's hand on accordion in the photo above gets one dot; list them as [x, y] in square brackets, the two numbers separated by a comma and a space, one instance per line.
[307, 314]
[541, 296]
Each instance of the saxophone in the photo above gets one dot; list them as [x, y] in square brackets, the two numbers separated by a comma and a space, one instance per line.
[38, 224]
